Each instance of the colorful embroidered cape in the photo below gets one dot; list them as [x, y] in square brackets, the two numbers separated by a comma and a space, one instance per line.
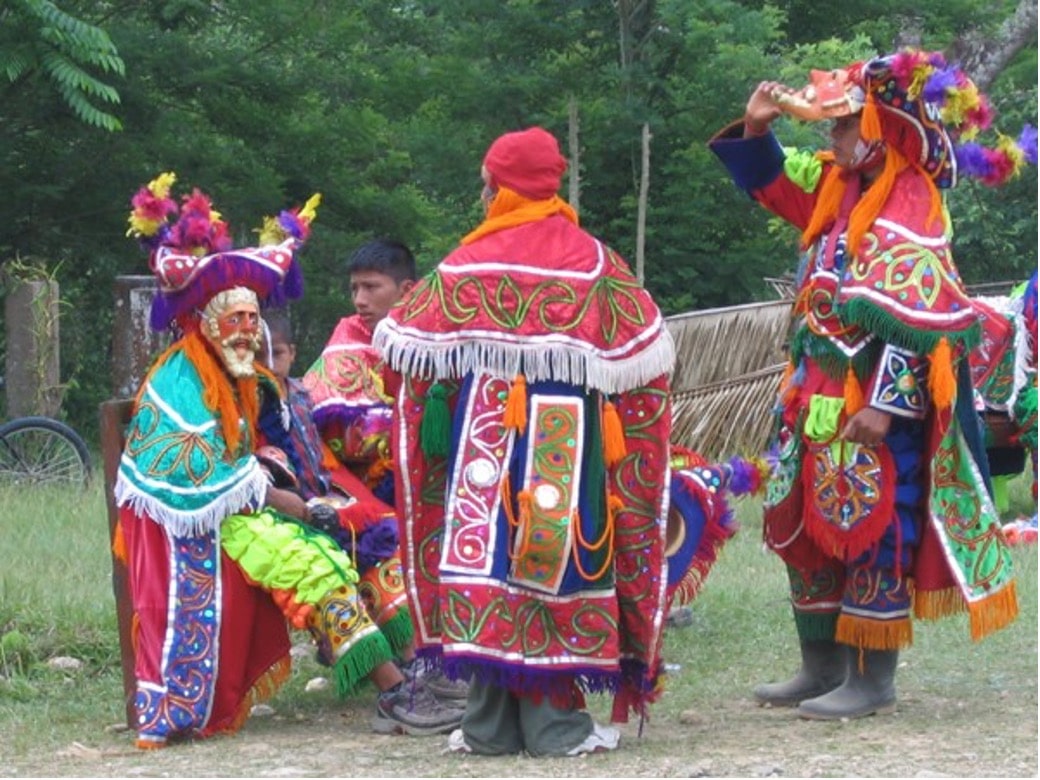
[173, 468]
[212, 580]
[352, 401]
[880, 314]
[529, 560]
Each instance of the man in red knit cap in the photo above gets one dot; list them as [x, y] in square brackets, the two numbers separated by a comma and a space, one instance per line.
[530, 439]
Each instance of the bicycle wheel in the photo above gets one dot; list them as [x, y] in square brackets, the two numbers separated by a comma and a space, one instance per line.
[40, 451]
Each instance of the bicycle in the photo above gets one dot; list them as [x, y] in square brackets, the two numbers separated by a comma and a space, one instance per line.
[42, 451]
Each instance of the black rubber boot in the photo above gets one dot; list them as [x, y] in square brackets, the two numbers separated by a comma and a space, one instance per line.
[871, 691]
[823, 669]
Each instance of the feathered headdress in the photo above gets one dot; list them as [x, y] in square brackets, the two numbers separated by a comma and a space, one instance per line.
[932, 112]
[191, 254]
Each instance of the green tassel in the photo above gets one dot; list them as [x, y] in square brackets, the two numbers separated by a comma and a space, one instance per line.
[889, 328]
[398, 630]
[354, 666]
[435, 431]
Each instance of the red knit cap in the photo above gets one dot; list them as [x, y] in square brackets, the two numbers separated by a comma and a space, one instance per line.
[528, 162]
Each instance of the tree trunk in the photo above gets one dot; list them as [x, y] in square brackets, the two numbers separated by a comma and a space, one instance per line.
[644, 190]
[984, 58]
[574, 168]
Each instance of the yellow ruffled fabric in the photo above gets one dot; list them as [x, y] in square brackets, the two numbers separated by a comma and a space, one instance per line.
[280, 554]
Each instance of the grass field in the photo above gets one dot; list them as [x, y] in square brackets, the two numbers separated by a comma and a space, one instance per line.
[56, 600]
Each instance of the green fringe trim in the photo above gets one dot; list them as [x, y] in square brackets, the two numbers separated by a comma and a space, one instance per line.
[832, 360]
[814, 626]
[892, 330]
[398, 630]
[435, 428]
[353, 667]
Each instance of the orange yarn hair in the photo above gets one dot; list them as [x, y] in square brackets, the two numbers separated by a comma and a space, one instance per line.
[873, 200]
[219, 393]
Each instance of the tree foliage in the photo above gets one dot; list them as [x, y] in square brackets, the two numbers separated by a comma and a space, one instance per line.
[387, 108]
[38, 37]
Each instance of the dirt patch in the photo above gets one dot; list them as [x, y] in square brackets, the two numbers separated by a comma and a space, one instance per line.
[992, 734]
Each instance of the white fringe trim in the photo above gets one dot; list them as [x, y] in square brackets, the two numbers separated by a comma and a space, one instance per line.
[195, 522]
[537, 362]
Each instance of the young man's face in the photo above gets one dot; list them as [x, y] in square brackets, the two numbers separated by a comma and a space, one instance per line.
[282, 357]
[375, 293]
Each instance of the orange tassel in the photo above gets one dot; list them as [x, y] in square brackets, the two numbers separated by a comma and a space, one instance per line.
[524, 501]
[613, 435]
[870, 121]
[515, 415]
[522, 523]
[853, 393]
[119, 544]
[941, 383]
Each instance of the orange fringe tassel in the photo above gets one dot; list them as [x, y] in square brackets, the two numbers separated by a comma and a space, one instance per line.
[994, 612]
[936, 604]
[853, 393]
[874, 634]
[119, 544]
[515, 415]
[941, 383]
[263, 689]
[614, 449]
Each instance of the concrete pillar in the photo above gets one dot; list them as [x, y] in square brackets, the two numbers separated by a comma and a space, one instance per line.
[32, 375]
[134, 344]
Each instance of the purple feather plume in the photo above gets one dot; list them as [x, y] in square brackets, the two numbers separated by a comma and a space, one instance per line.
[744, 476]
[936, 85]
[972, 160]
[1027, 143]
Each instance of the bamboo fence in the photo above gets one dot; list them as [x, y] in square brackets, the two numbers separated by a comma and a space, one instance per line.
[728, 365]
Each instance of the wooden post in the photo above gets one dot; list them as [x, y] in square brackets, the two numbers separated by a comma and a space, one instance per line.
[115, 415]
[134, 343]
[31, 313]
[134, 346]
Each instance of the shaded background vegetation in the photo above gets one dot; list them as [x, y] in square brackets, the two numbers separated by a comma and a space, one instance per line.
[386, 109]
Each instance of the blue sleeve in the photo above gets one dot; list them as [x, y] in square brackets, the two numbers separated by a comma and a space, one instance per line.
[753, 162]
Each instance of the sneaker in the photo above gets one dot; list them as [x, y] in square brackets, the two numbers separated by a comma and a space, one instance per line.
[450, 692]
[445, 689]
[457, 743]
[602, 739]
[412, 709]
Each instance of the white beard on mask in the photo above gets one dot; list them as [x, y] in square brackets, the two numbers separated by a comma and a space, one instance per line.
[239, 367]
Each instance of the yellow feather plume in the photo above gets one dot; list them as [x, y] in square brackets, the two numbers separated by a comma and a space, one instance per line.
[310, 208]
[161, 185]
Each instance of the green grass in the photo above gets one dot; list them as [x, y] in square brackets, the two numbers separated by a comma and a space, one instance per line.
[56, 599]
[743, 633]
